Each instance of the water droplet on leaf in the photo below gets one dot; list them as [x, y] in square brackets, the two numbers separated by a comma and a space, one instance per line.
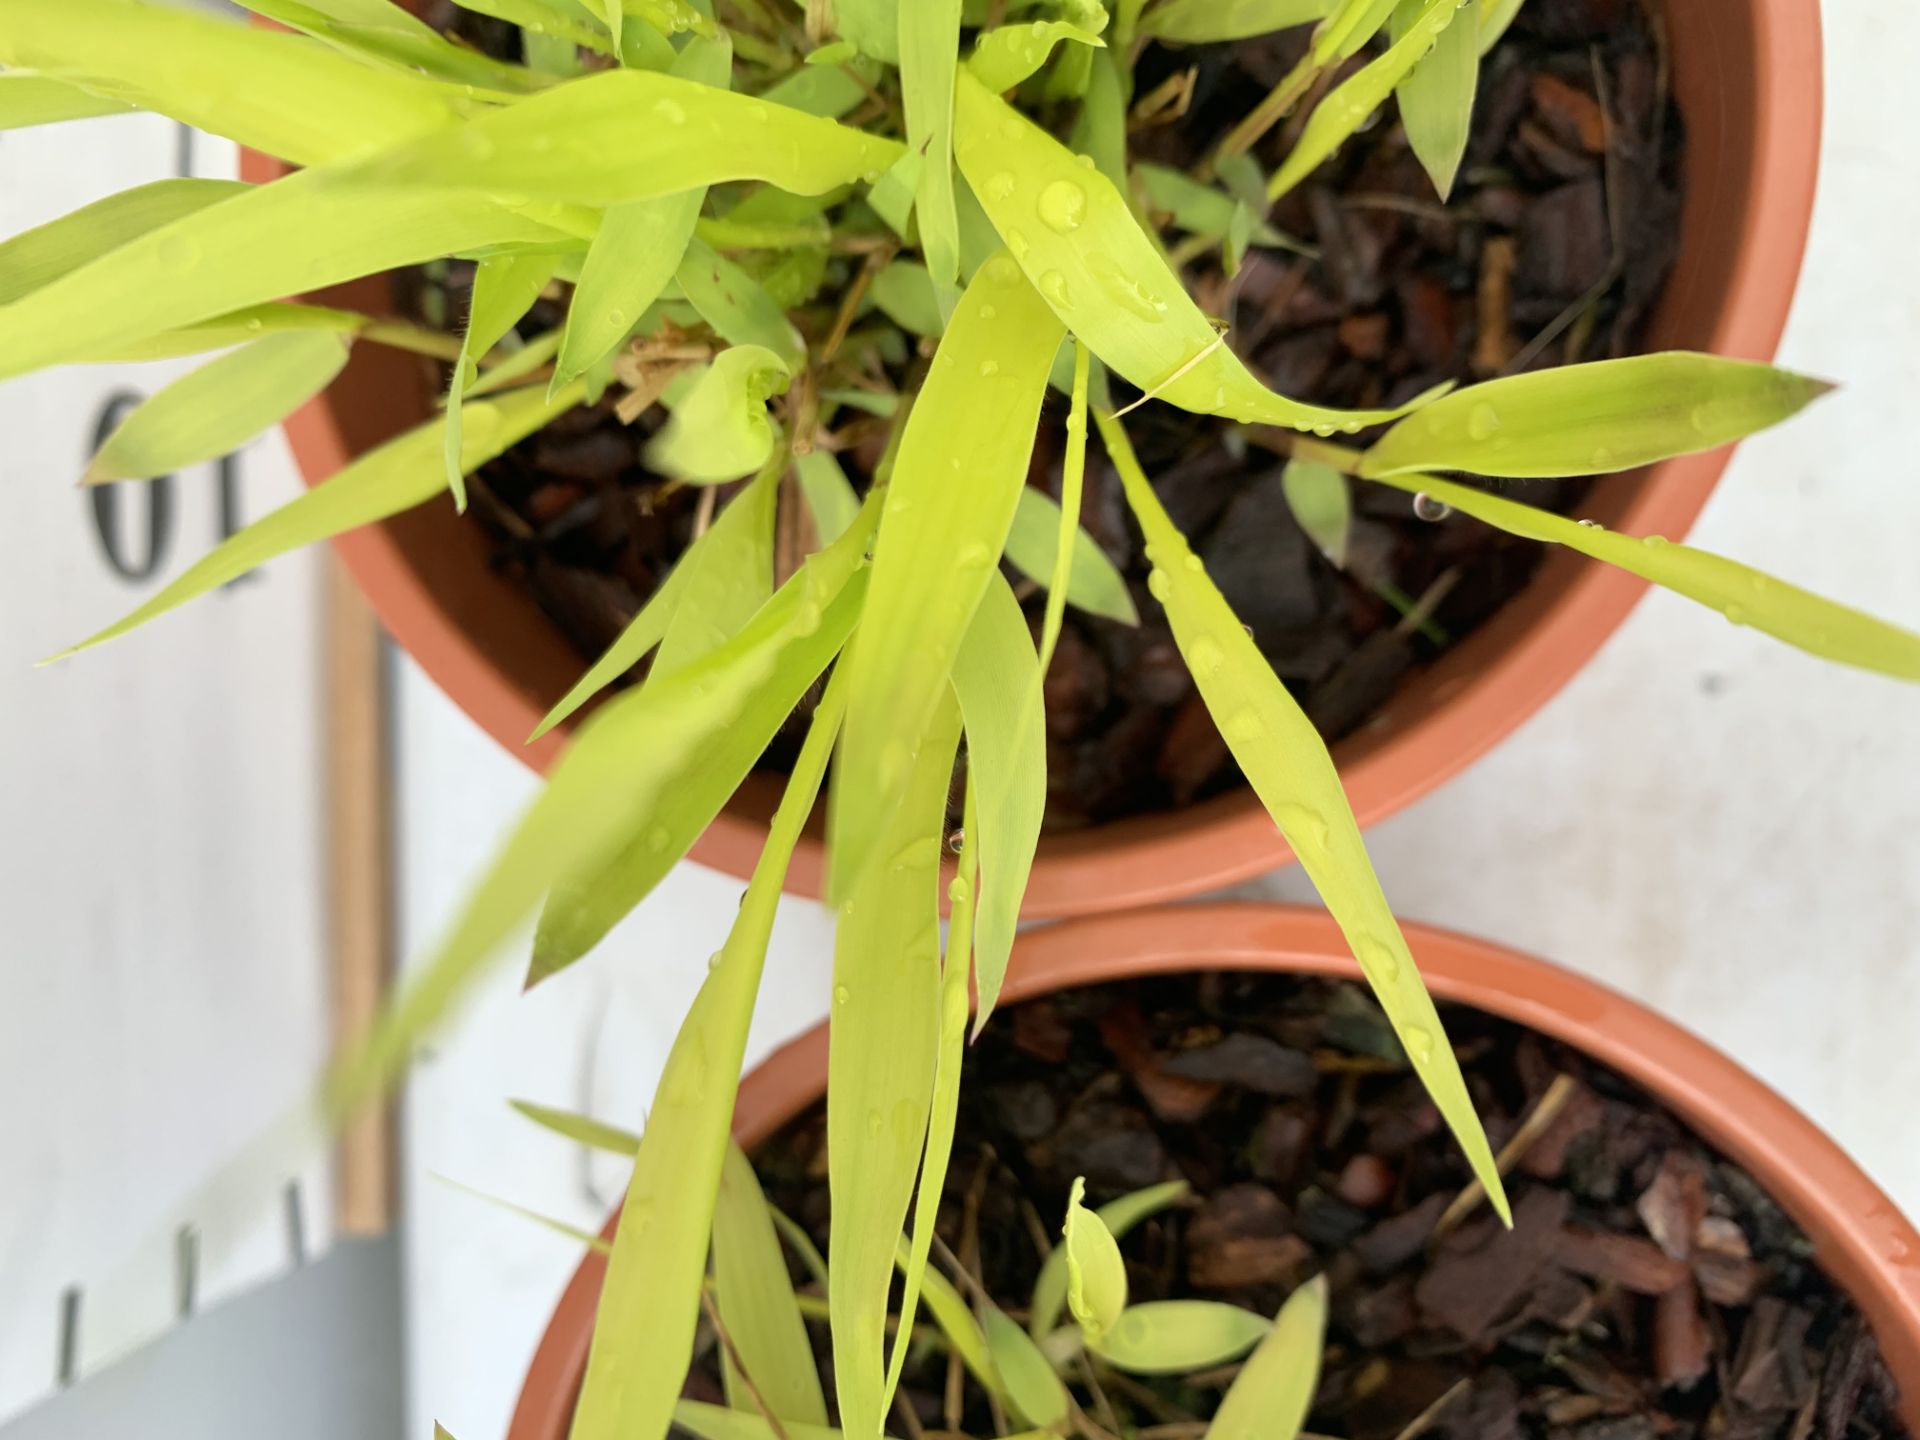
[1063, 206]
[1425, 507]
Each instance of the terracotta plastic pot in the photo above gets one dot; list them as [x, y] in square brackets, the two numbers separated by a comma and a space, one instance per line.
[1747, 77]
[1860, 1239]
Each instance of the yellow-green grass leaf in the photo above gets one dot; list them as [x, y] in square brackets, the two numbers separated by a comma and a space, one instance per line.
[633, 135]
[1073, 477]
[1073, 234]
[296, 234]
[42, 255]
[996, 676]
[1026, 1375]
[1096, 584]
[545, 1222]
[546, 22]
[1436, 98]
[509, 371]
[1198, 208]
[1174, 1337]
[881, 1058]
[945, 526]
[1744, 595]
[755, 1298]
[929, 42]
[730, 578]
[767, 667]
[1201, 22]
[1096, 1275]
[834, 52]
[1287, 764]
[1271, 1395]
[643, 1334]
[633, 644]
[873, 26]
[1350, 24]
[255, 322]
[720, 1422]
[581, 1129]
[1010, 54]
[383, 32]
[944, 1106]
[1352, 103]
[904, 292]
[801, 1243]
[1495, 17]
[625, 769]
[736, 305]
[633, 256]
[720, 429]
[956, 1322]
[1118, 1217]
[828, 91]
[28, 99]
[397, 476]
[1322, 503]
[285, 94]
[1589, 419]
[829, 494]
[1100, 131]
[220, 406]
[638, 246]
[504, 289]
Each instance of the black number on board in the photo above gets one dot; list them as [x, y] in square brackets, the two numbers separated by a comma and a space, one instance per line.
[128, 561]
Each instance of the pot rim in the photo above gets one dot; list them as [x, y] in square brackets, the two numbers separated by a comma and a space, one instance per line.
[1863, 1242]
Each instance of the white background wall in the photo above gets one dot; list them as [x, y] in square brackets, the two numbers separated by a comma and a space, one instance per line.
[1725, 829]
[162, 965]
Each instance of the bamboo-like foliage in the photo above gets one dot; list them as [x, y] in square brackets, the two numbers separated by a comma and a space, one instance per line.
[756, 215]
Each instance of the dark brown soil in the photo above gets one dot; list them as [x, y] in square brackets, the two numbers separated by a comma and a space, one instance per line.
[1555, 244]
[1648, 1288]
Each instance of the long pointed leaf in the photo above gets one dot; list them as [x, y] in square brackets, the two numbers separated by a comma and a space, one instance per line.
[996, 677]
[1073, 233]
[1351, 103]
[397, 476]
[718, 1422]
[42, 255]
[504, 289]
[1009, 54]
[638, 246]
[650, 1305]
[27, 100]
[383, 32]
[1032, 1388]
[1200, 22]
[299, 233]
[756, 1301]
[1436, 99]
[220, 406]
[1744, 595]
[284, 94]
[945, 525]
[1590, 419]
[729, 578]
[632, 135]
[944, 1108]
[1271, 1395]
[628, 768]
[955, 1321]
[777, 657]
[582, 1129]
[1095, 584]
[929, 38]
[1287, 763]
[738, 308]
[880, 1063]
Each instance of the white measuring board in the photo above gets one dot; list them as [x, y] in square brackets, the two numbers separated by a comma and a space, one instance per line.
[163, 992]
